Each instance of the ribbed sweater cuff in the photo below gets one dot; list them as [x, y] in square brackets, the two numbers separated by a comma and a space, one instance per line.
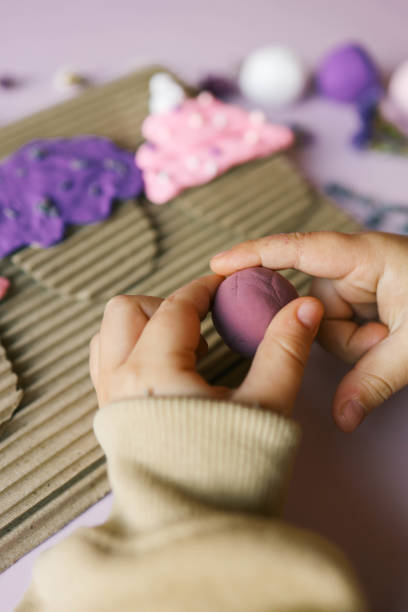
[169, 457]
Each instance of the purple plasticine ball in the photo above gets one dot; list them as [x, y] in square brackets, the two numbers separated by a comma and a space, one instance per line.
[245, 304]
[348, 74]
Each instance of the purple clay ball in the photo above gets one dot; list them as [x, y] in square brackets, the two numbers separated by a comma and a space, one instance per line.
[245, 304]
[348, 74]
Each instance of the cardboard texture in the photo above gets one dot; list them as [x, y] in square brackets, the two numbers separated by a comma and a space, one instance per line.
[97, 261]
[51, 466]
[10, 395]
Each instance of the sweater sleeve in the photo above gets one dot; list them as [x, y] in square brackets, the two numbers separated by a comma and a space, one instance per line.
[191, 480]
[171, 458]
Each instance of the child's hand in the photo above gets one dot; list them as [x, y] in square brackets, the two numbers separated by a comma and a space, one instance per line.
[362, 277]
[148, 346]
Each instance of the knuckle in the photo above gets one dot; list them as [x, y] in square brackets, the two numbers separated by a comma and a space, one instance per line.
[171, 303]
[179, 302]
[119, 302]
[170, 308]
[298, 240]
[170, 299]
[260, 243]
[377, 386]
[290, 347]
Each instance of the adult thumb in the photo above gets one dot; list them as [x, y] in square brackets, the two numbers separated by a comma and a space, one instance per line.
[382, 371]
[276, 372]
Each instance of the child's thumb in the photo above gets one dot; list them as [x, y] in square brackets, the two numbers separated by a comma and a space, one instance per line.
[276, 373]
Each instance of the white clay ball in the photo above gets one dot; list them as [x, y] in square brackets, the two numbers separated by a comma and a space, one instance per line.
[166, 102]
[272, 75]
[160, 82]
[165, 93]
[398, 87]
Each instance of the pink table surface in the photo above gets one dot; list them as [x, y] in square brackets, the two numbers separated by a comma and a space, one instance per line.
[349, 488]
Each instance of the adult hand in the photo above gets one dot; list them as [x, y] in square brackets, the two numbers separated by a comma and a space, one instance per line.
[362, 280]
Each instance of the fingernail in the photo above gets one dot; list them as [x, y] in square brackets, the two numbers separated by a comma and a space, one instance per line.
[351, 414]
[220, 254]
[308, 314]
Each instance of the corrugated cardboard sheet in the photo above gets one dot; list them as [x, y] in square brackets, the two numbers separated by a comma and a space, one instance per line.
[10, 395]
[51, 467]
[97, 261]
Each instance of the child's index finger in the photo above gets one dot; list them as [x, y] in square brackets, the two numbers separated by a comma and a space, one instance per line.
[323, 254]
[174, 330]
[199, 292]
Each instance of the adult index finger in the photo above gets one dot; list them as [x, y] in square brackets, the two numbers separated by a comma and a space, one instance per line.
[324, 254]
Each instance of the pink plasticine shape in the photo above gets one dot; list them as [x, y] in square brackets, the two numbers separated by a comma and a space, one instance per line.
[200, 140]
[4, 286]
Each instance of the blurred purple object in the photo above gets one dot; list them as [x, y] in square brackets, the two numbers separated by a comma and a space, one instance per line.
[7, 81]
[245, 304]
[348, 74]
[303, 136]
[366, 114]
[220, 86]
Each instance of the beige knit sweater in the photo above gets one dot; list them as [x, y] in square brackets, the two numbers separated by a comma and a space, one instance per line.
[198, 486]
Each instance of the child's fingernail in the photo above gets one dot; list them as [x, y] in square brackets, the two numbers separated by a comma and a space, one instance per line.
[308, 314]
[351, 414]
[220, 254]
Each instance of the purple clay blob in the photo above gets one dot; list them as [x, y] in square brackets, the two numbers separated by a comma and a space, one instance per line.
[220, 86]
[7, 81]
[348, 74]
[245, 304]
[48, 184]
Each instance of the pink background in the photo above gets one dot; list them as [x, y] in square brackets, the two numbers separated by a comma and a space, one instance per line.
[350, 488]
